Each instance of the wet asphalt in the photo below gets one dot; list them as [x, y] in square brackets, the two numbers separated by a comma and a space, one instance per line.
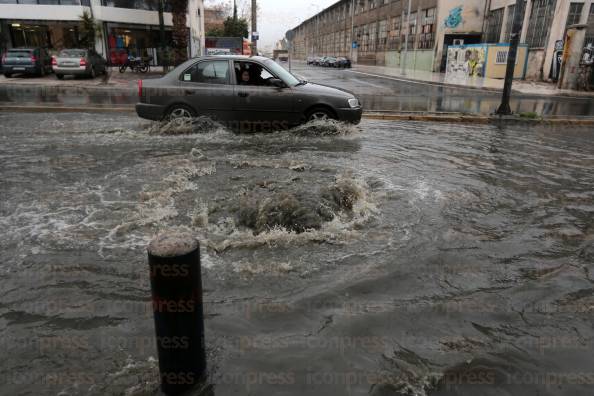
[458, 259]
[377, 93]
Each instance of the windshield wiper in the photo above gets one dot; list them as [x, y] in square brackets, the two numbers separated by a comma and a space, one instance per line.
[301, 82]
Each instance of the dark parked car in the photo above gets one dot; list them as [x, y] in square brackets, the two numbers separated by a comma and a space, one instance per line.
[78, 62]
[343, 62]
[330, 62]
[26, 61]
[243, 89]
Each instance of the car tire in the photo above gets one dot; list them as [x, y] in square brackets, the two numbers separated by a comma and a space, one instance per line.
[60, 76]
[7, 75]
[320, 113]
[92, 73]
[179, 112]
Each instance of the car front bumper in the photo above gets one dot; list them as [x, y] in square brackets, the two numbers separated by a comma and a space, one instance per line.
[150, 111]
[352, 115]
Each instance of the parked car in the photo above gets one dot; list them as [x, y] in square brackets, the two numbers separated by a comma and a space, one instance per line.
[79, 62]
[26, 61]
[343, 62]
[310, 60]
[242, 89]
[330, 61]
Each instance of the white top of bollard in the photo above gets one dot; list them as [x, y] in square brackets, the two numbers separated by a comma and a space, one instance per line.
[173, 244]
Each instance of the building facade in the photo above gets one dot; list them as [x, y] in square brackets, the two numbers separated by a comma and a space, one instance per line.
[128, 26]
[385, 33]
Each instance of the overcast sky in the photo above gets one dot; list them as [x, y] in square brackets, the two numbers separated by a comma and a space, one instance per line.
[278, 16]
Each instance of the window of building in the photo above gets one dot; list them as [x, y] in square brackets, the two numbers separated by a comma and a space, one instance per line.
[395, 31]
[590, 29]
[412, 30]
[575, 13]
[382, 34]
[509, 23]
[540, 23]
[372, 36]
[494, 25]
[427, 36]
[372, 4]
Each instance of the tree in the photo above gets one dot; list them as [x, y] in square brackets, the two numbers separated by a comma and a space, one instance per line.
[179, 8]
[89, 30]
[236, 27]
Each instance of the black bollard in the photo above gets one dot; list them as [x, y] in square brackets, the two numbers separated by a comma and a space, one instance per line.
[176, 284]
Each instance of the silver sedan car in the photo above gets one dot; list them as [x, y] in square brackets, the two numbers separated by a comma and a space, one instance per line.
[78, 62]
[252, 91]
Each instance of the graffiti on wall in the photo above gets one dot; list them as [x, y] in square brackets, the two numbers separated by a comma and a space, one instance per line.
[466, 61]
[454, 18]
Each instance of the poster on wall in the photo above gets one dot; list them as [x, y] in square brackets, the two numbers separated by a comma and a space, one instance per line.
[465, 62]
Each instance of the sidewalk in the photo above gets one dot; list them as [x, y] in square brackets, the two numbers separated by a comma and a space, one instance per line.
[114, 80]
[481, 83]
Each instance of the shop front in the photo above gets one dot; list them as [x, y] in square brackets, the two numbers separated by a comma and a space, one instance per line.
[136, 40]
[47, 34]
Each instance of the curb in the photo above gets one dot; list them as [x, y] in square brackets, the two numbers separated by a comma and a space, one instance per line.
[478, 119]
[432, 117]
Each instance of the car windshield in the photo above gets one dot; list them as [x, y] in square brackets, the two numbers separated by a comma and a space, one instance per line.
[71, 53]
[19, 53]
[282, 73]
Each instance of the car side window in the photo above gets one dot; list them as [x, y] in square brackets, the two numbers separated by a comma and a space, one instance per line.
[209, 72]
[250, 73]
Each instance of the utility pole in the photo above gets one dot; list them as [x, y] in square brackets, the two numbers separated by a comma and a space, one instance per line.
[162, 44]
[352, 28]
[254, 27]
[403, 61]
[504, 108]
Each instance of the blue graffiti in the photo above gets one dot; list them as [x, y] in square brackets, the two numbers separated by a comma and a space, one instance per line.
[455, 18]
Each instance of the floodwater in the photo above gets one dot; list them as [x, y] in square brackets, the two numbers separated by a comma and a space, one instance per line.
[389, 258]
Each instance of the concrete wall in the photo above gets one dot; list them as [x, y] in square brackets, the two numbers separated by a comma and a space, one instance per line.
[472, 18]
[535, 63]
[417, 60]
[495, 70]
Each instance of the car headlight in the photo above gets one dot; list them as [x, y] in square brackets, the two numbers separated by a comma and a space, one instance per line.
[354, 103]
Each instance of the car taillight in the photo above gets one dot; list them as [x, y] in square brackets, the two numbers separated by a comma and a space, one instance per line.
[54, 61]
[3, 58]
[83, 62]
[140, 88]
[33, 59]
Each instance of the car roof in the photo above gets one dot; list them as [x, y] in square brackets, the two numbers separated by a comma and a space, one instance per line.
[234, 57]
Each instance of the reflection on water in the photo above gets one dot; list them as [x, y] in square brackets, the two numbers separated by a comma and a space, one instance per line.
[388, 258]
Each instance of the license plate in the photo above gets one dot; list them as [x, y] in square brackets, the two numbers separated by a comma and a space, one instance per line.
[18, 68]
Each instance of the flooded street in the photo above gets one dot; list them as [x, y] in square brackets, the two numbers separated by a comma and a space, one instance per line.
[389, 258]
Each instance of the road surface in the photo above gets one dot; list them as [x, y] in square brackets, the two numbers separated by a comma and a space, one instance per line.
[437, 259]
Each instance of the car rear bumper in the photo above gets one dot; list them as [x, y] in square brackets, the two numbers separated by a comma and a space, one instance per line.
[15, 69]
[350, 115]
[70, 70]
[150, 112]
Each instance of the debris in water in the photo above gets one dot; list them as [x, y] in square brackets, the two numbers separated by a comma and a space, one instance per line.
[325, 128]
[196, 125]
[298, 212]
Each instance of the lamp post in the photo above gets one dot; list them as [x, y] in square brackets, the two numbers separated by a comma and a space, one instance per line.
[504, 108]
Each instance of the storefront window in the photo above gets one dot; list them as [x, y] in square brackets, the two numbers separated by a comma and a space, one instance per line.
[137, 41]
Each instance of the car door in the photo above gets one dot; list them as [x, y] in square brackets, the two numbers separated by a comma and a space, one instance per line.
[258, 103]
[206, 87]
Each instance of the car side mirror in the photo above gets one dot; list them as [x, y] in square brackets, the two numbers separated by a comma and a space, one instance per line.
[277, 82]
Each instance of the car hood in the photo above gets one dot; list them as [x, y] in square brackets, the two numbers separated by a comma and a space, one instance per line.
[325, 90]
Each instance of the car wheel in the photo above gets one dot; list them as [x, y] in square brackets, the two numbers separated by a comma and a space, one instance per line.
[320, 113]
[92, 73]
[60, 76]
[180, 113]
[7, 75]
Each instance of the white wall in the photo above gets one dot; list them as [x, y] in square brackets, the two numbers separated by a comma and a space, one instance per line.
[41, 12]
